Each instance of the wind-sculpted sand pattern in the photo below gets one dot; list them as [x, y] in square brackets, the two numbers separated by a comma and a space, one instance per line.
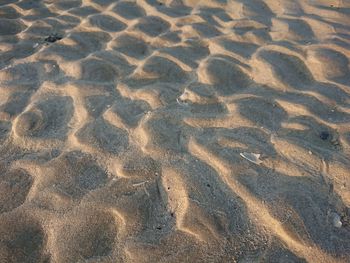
[122, 125]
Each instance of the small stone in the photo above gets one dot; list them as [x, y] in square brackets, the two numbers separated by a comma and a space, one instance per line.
[336, 220]
[324, 135]
[53, 38]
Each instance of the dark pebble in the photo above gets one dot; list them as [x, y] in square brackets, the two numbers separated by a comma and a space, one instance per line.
[324, 135]
[53, 38]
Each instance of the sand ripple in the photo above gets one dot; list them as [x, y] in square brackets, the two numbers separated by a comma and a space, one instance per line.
[121, 133]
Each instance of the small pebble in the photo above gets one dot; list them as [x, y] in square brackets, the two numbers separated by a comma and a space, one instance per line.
[53, 38]
[336, 220]
[324, 135]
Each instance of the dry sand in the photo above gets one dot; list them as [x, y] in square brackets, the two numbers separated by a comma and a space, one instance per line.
[130, 131]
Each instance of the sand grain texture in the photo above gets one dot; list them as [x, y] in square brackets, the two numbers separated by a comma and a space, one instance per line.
[174, 131]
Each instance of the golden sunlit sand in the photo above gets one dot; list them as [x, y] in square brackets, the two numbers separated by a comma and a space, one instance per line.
[174, 131]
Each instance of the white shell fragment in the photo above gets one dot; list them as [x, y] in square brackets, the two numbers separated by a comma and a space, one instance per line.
[252, 157]
[183, 99]
[336, 220]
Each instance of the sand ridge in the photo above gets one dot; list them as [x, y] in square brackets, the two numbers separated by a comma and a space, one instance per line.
[122, 125]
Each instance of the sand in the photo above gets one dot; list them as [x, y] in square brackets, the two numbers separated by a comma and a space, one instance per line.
[174, 131]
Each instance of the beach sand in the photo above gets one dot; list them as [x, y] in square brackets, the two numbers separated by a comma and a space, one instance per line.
[174, 131]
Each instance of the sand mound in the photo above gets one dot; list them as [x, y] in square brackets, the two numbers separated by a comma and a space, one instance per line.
[174, 131]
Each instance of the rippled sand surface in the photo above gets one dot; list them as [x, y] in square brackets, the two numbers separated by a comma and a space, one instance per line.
[174, 131]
